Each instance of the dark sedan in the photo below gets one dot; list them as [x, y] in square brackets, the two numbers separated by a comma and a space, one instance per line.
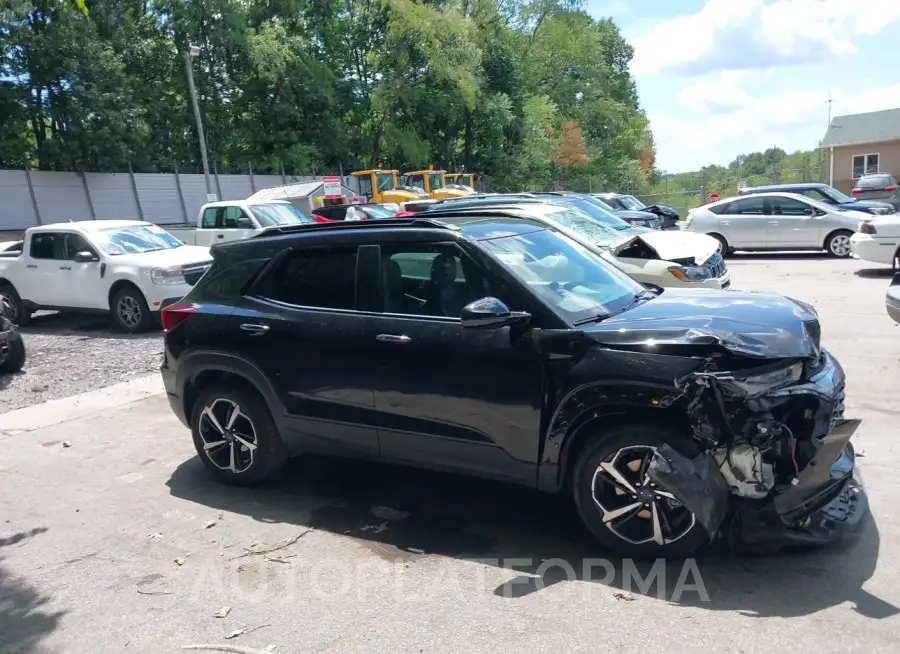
[627, 206]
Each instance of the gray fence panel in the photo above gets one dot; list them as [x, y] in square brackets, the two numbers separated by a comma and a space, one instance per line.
[270, 181]
[112, 196]
[193, 187]
[16, 208]
[60, 197]
[235, 187]
[159, 198]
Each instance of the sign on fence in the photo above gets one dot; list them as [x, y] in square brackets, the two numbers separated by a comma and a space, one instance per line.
[332, 185]
[211, 197]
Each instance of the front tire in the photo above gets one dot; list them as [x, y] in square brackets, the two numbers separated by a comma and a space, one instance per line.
[130, 312]
[15, 357]
[838, 244]
[235, 436]
[617, 502]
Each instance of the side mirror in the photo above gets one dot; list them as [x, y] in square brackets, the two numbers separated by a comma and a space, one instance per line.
[491, 313]
[243, 223]
[85, 257]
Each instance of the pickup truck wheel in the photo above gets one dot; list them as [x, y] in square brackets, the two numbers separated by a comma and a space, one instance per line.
[130, 311]
[12, 307]
[15, 356]
[235, 436]
[618, 503]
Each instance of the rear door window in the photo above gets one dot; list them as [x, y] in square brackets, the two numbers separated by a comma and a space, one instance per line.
[48, 245]
[323, 278]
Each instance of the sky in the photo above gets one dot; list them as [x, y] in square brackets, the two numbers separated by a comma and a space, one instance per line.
[719, 78]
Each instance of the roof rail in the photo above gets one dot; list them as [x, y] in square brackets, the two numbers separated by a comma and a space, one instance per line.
[350, 225]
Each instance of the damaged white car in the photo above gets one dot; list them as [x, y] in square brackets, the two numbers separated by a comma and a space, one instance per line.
[670, 259]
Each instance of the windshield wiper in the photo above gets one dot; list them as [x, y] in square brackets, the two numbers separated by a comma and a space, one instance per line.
[639, 298]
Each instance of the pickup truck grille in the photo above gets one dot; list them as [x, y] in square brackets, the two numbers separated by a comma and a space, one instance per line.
[716, 266]
[194, 272]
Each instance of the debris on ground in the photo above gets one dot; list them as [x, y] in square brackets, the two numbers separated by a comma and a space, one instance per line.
[387, 513]
[229, 648]
[287, 543]
[153, 592]
[180, 560]
[223, 612]
[245, 630]
[213, 523]
[624, 596]
[154, 536]
[67, 444]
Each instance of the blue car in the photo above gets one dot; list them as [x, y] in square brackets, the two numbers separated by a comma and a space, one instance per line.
[635, 218]
[828, 195]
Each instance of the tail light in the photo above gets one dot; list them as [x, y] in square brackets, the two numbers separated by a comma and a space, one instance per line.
[892, 187]
[867, 228]
[321, 219]
[856, 191]
[174, 315]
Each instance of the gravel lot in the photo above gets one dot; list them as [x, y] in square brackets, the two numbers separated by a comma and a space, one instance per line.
[70, 354]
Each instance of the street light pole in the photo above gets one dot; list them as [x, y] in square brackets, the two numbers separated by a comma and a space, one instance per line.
[190, 54]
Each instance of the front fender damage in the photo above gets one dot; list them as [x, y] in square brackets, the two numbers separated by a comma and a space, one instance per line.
[775, 452]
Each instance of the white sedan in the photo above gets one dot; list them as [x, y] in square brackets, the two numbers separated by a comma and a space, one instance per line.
[662, 258]
[878, 241]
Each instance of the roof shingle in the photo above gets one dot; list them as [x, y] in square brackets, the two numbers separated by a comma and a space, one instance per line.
[871, 127]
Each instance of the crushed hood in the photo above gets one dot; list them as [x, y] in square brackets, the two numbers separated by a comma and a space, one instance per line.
[760, 325]
[629, 214]
[678, 246]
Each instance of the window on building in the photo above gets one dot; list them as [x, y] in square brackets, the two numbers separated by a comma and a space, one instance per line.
[864, 164]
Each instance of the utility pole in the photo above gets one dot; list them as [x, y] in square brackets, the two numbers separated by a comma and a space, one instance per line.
[829, 102]
[190, 54]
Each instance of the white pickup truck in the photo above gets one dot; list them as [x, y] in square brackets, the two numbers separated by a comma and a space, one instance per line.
[128, 269]
[233, 220]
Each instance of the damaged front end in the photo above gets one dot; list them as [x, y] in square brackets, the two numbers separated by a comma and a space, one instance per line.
[777, 467]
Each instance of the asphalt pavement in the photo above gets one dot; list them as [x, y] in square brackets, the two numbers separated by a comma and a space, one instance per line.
[114, 539]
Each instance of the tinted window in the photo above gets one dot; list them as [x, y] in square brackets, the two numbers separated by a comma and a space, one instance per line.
[47, 246]
[750, 206]
[875, 181]
[212, 217]
[615, 203]
[232, 216]
[323, 278]
[365, 185]
[787, 207]
[75, 243]
[271, 215]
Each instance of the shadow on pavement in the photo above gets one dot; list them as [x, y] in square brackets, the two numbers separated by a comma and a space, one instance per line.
[23, 620]
[742, 255]
[875, 273]
[86, 326]
[396, 511]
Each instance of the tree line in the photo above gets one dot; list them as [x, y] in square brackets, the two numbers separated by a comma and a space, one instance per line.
[526, 93]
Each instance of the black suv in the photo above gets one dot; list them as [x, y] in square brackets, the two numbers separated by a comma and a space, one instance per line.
[490, 345]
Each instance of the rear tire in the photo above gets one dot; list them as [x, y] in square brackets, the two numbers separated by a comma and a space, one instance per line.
[240, 450]
[130, 312]
[12, 306]
[603, 504]
[838, 244]
[724, 250]
[15, 358]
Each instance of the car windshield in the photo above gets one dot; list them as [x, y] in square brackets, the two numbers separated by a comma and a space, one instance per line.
[874, 181]
[632, 203]
[135, 240]
[597, 212]
[586, 227]
[566, 275]
[835, 194]
[275, 215]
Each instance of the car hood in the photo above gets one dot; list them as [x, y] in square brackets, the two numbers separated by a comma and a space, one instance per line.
[628, 214]
[184, 255]
[676, 246]
[866, 204]
[746, 323]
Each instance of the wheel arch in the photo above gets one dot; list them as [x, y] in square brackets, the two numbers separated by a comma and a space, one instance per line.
[202, 369]
[117, 286]
[836, 230]
[604, 404]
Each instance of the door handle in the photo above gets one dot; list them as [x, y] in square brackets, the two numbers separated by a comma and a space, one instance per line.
[31, 265]
[393, 338]
[774, 222]
[254, 328]
[65, 267]
[220, 235]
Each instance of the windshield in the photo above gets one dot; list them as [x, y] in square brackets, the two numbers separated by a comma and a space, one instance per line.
[435, 181]
[597, 212]
[586, 227]
[835, 194]
[135, 240]
[632, 203]
[576, 282]
[274, 215]
[385, 181]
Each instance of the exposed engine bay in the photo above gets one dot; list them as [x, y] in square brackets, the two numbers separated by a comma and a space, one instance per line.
[775, 439]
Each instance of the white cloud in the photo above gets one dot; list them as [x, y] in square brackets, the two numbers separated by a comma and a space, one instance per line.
[723, 115]
[754, 34]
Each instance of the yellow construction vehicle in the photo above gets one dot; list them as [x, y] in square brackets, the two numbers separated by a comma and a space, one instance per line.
[380, 186]
[433, 183]
[462, 179]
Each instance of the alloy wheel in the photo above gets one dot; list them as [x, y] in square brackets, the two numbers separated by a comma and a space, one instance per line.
[633, 507]
[228, 435]
[840, 245]
[129, 311]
